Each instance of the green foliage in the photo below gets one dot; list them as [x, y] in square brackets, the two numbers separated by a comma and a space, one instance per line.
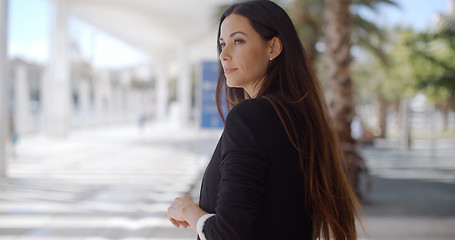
[394, 79]
[433, 54]
[368, 76]
[418, 62]
[401, 73]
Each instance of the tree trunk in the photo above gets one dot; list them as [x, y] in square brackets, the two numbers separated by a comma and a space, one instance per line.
[308, 26]
[337, 60]
[405, 129]
[381, 113]
[445, 119]
[444, 106]
[339, 85]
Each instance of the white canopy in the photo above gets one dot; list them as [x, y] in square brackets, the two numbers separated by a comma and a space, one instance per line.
[156, 27]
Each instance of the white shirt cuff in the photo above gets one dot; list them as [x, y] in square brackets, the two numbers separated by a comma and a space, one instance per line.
[200, 225]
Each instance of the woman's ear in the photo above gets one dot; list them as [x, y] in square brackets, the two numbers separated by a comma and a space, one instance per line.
[275, 47]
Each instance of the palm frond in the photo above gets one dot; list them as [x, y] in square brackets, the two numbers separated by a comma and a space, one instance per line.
[373, 4]
[369, 36]
[367, 27]
[377, 51]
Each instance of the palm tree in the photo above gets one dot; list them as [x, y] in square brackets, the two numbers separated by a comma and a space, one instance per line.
[341, 28]
[339, 86]
[337, 61]
[309, 21]
[308, 18]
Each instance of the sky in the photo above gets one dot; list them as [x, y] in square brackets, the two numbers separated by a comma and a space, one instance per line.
[416, 13]
[29, 30]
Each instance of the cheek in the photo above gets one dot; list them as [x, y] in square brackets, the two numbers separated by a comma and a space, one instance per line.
[252, 63]
[256, 64]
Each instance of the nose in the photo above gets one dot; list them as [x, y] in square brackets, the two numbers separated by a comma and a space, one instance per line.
[224, 55]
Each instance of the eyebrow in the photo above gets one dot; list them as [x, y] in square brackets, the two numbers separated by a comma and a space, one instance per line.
[232, 34]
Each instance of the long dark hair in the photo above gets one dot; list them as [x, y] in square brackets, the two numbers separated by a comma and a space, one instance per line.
[292, 88]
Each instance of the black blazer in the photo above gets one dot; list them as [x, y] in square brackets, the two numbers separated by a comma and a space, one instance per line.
[252, 182]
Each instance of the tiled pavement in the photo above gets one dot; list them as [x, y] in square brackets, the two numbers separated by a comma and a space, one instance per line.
[116, 183]
[413, 192]
[98, 184]
[431, 160]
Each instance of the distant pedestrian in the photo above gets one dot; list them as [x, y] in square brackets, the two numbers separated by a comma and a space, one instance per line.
[13, 135]
[357, 129]
[142, 119]
[276, 172]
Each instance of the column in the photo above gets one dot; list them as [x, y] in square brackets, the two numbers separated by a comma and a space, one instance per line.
[109, 95]
[4, 86]
[21, 99]
[103, 93]
[84, 100]
[125, 83]
[161, 92]
[98, 96]
[58, 100]
[116, 102]
[184, 87]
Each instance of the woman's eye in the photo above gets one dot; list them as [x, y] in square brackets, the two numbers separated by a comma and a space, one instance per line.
[238, 41]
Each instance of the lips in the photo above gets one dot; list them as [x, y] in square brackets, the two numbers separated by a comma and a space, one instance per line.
[229, 70]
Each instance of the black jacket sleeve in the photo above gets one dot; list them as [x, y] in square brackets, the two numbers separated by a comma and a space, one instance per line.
[246, 147]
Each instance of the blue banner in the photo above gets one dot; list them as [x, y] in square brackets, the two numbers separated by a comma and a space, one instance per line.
[209, 113]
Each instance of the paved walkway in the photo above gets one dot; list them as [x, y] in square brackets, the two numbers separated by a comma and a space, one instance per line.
[99, 184]
[116, 183]
[413, 192]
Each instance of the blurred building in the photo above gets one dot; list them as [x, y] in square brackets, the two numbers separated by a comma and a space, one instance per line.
[4, 115]
[70, 92]
[25, 94]
[441, 20]
[452, 7]
[97, 96]
[177, 36]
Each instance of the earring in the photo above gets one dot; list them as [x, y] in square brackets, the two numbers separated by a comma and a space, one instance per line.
[270, 58]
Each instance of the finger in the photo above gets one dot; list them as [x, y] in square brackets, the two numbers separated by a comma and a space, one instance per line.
[184, 224]
[174, 222]
[197, 202]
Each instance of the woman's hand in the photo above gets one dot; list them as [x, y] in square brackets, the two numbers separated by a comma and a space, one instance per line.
[183, 212]
[176, 223]
[175, 211]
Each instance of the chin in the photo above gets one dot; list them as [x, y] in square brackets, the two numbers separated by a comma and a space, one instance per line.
[230, 83]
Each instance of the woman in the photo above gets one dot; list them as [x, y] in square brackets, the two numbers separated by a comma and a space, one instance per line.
[276, 172]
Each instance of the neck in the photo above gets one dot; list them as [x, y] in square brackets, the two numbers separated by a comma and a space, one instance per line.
[254, 89]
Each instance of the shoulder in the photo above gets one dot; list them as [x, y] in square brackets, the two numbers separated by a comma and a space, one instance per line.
[253, 117]
[249, 131]
[252, 109]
